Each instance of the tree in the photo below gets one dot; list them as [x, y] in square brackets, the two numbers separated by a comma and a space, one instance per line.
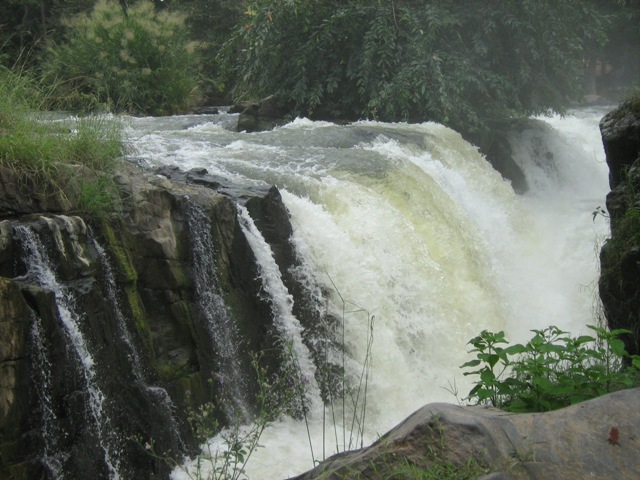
[458, 63]
[27, 25]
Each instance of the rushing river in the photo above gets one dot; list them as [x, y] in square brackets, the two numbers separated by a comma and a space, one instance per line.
[413, 225]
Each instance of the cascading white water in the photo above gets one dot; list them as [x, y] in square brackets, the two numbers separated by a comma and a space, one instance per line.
[412, 224]
[40, 272]
[159, 395]
[42, 382]
[289, 328]
[218, 320]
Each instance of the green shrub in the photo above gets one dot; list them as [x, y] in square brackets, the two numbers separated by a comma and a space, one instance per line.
[138, 61]
[551, 371]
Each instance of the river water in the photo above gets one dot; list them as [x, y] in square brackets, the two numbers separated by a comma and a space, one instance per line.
[414, 227]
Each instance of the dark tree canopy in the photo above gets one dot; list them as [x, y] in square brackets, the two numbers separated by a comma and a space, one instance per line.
[459, 63]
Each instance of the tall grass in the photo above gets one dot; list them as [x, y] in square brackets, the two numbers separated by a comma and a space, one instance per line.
[69, 158]
[137, 61]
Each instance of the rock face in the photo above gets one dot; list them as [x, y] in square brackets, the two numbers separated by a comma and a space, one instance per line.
[598, 439]
[619, 283]
[106, 341]
[258, 116]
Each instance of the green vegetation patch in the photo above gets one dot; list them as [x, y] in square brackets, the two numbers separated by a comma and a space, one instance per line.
[551, 371]
[71, 157]
[136, 60]
[632, 101]
[417, 61]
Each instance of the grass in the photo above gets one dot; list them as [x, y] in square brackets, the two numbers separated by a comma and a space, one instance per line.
[70, 159]
[632, 101]
[437, 461]
[439, 469]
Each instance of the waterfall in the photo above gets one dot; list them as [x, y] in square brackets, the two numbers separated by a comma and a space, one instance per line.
[111, 294]
[219, 322]
[158, 395]
[411, 223]
[40, 272]
[288, 326]
[42, 382]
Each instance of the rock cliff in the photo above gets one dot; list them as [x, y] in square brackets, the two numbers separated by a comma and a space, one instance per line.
[619, 283]
[109, 327]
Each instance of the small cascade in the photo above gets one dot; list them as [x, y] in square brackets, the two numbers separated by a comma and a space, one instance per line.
[218, 320]
[289, 329]
[41, 273]
[158, 395]
[111, 294]
[42, 382]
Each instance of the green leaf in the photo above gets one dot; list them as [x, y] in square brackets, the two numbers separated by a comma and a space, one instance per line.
[471, 363]
[487, 376]
[617, 347]
[515, 349]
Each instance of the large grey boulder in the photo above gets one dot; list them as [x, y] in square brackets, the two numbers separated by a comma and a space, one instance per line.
[598, 439]
[259, 116]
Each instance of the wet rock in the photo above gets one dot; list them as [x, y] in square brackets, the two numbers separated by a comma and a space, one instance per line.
[619, 283]
[148, 246]
[259, 116]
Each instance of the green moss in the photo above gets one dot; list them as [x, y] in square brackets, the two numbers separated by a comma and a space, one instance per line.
[128, 278]
[117, 246]
[172, 372]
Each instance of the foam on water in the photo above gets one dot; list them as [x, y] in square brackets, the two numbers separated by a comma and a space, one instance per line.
[412, 224]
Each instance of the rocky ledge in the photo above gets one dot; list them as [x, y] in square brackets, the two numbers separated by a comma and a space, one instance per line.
[598, 439]
[107, 339]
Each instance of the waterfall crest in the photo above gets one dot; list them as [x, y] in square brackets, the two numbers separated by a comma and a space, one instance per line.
[413, 224]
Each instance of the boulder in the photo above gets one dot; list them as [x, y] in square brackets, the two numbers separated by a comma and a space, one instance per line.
[259, 116]
[620, 131]
[598, 439]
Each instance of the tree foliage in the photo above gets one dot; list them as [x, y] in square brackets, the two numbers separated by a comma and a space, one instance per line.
[416, 59]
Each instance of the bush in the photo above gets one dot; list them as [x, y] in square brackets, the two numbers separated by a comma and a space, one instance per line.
[138, 61]
[553, 370]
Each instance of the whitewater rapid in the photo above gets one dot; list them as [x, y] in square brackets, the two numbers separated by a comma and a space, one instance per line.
[411, 224]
